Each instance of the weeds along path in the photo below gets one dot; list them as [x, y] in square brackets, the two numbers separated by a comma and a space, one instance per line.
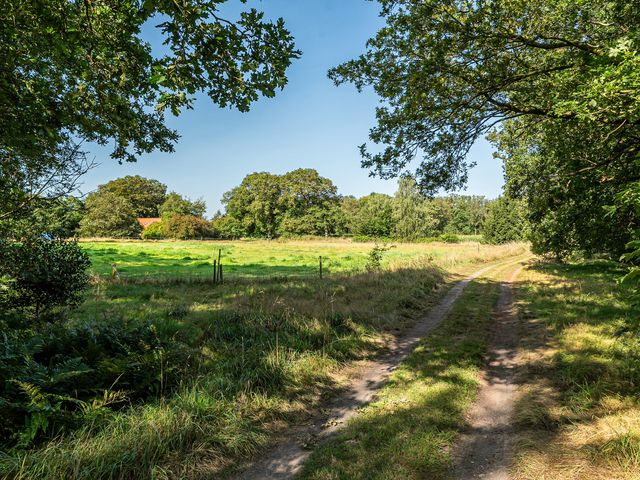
[484, 450]
[287, 459]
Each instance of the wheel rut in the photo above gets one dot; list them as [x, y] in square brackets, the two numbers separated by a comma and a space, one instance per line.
[485, 448]
[287, 458]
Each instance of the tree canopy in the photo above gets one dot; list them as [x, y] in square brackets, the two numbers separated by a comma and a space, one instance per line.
[145, 195]
[176, 204]
[555, 83]
[77, 71]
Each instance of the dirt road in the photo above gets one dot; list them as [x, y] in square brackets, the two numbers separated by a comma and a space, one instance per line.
[287, 459]
[484, 450]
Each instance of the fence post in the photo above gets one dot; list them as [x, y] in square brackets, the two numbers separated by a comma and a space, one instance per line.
[320, 266]
[220, 272]
[114, 271]
[215, 271]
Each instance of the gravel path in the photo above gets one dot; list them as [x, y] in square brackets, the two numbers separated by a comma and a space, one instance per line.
[484, 450]
[287, 459]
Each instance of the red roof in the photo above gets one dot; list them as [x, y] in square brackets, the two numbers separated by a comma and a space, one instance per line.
[146, 221]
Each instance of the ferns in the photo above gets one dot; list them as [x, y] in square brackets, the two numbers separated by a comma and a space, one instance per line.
[59, 377]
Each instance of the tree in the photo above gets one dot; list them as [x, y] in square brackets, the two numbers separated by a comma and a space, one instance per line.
[467, 214]
[256, 204]
[176, 204]
[450, 72]
[300, 202]
[374, 216]
[309, 203]
[54, 218]
[303, 189]
[504, 221]
[225, 226]
[566, 177]
[145, 195]
[186, 226]
[409, 213]
[109, 215]
[77, 71]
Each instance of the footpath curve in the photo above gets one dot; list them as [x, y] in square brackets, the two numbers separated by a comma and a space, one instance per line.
[287, 459]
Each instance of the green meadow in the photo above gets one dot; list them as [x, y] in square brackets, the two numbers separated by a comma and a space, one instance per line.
[259, 258]
[199, 377]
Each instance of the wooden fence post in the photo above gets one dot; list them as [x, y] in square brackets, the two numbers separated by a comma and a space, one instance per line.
[320, 267]
[215, 271]
[114, 271]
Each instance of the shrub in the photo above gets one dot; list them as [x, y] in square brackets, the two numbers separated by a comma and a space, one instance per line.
[39, 275]
[186, 226]
[374, 260]
[154, 231]
[61, 377]
[449, 238]
[228, 227]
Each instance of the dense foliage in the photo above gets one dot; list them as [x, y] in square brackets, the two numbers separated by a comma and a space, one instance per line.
[109, 215]
[38, 275]
[304, 203]
[82, 71]
[505, 221]
[176, 204]
[556, 83]
[58, 377]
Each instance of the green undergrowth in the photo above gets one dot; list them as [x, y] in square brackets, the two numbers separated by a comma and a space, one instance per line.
[410, 430]
[164, 377]
[259, 355]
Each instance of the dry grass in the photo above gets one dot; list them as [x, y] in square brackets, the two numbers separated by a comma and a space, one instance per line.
[578, 416]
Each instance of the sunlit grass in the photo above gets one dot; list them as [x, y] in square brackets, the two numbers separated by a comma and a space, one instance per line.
[266, 349]
[410, 430]
[579, 413]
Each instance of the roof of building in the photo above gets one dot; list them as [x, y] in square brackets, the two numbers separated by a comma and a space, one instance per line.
[146, 221]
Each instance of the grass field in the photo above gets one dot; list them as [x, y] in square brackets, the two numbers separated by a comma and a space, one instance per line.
[259, 258]
[409, 432]
[579, 411]
[243, 359]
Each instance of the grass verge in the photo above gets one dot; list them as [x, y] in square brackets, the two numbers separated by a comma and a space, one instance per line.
[409, 432]
[578, 415]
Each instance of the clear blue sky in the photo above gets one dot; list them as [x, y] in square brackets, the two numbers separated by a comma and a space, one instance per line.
[311, 123]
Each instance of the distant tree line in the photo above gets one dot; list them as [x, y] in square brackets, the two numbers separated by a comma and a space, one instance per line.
[297, 203]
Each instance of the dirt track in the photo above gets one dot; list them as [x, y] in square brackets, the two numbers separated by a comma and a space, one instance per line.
[287, 459]
[484, 450]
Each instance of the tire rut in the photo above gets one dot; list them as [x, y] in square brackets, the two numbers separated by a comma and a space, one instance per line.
[484, 450]
[287, 459]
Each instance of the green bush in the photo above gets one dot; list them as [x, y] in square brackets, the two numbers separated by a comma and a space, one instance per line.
[449, 238]
[227, 227]
[39, 275]
[184, 227]
[374, 259]
[154, 231]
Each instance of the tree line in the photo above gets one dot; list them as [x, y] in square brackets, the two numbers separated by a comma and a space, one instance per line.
[297, 203]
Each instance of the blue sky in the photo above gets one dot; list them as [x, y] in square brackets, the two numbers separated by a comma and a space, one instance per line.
[311, 123]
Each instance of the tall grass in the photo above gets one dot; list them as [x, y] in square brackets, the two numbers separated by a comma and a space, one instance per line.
[579, 413]
[270, 348]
